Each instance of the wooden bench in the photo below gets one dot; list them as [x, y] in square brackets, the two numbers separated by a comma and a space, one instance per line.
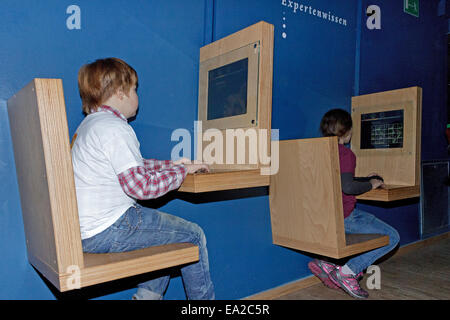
[39, 131]
[306, 201]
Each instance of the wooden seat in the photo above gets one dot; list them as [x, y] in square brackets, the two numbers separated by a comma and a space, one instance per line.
[40, 137]
[306, 201]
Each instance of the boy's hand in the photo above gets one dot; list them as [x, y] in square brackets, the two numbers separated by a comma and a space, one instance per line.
[193, 168]
[181, 161]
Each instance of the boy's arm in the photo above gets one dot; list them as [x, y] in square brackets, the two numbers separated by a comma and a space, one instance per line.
[142, 183]
[153, 164]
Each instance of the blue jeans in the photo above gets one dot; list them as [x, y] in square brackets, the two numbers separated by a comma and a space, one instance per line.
[362, 222]
[141, 227]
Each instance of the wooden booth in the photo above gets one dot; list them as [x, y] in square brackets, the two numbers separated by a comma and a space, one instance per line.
[234, 111]
[40, 136]
[306, 201]
[306, 196]
[386, 140]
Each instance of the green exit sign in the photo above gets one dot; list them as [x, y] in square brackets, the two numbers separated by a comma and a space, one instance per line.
[411, 7]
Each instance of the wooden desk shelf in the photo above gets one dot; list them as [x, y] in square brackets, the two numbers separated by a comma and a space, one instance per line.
[391, 193]
[40, 137]
[220, 180]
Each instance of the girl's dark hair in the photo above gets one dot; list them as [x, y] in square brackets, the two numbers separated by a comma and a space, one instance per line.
[336, 122]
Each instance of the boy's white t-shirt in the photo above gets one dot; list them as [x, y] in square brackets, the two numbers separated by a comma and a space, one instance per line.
[105, 146]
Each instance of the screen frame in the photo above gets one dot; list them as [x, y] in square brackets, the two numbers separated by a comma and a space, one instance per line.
[364, 144]
[408, 120]
[248, 119]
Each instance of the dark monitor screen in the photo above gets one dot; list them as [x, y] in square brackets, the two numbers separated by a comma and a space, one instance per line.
[227, 90]
[382, 130]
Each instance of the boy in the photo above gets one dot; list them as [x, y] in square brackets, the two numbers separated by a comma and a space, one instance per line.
[110, 175]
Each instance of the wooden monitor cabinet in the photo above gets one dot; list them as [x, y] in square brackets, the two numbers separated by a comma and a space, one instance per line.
[254, 43]
[386, 140]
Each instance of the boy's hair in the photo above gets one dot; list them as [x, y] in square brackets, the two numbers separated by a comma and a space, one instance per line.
[336, 122]
[99, 80]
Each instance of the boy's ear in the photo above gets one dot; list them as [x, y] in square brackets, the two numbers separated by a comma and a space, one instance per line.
[120, 94]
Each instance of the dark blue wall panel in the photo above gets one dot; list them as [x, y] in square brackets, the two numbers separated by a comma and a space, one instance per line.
[408, 51]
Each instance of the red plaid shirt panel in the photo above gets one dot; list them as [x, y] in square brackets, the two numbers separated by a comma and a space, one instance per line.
[153, 164]
[155, 179]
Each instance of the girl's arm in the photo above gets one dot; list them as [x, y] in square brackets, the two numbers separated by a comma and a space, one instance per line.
[349, 186]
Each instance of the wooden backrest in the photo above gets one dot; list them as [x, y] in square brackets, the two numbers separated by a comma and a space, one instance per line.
[306, 196]
[40, 136]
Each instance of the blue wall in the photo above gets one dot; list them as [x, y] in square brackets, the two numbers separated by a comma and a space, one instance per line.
[408, 51]
[314, 70]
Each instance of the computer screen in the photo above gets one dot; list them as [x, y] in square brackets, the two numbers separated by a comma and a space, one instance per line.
[381, 130]
[227, 90]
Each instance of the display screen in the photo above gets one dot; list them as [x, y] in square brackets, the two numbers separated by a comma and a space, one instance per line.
[227, 90]
[382, 130]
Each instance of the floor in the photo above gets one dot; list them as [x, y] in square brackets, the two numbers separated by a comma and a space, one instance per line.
[421, 274]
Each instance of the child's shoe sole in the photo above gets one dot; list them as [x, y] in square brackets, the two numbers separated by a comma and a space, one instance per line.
[320, 272]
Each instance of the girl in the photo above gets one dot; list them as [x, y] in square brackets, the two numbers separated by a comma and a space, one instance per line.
[338, 122]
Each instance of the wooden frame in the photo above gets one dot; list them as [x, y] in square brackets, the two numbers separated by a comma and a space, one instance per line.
[224, 180]
[400, 167]
[249, 119]
[261, 33]
[306, 201]
[40, 136]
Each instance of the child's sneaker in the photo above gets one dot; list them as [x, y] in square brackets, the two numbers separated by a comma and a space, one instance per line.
[349, 283]
[321, 270]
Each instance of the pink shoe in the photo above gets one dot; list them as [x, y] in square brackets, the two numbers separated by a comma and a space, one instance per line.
[349, 283]
[322, 270]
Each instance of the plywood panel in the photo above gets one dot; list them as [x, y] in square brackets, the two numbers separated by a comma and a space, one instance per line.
[391, 193]
[44, 170]
[218, 180]
[305, 194]
[357, 243]
[261, 32]
[101, 268]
